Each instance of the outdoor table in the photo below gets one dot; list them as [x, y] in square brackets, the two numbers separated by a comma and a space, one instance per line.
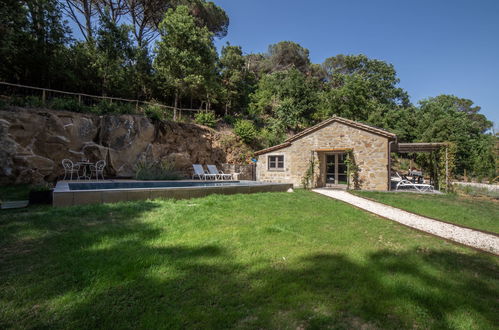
[85, 165]
[417, 176]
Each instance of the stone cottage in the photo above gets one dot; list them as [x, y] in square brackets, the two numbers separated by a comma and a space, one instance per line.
[332, 153]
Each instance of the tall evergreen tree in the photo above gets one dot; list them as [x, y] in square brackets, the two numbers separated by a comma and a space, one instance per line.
[185, 55]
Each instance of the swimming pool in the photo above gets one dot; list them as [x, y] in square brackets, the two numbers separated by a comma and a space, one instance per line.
[68, 193]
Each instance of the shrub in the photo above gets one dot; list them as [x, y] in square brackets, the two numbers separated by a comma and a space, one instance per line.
[246, 130]
[27, 101]
[206, 119]
[106, 107]
[229, 119]
[270, 137]
[41, 187]
[156, 170]
[155, 112]
[69, 104]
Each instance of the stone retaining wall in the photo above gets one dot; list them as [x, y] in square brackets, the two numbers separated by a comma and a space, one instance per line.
[33, 142]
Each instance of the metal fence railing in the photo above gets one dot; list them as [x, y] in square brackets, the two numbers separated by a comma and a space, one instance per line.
[46, 95]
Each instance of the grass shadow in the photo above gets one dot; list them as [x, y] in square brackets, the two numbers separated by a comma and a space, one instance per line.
[114, 266]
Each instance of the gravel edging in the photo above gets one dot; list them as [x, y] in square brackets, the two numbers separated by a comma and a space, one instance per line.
[469, 237]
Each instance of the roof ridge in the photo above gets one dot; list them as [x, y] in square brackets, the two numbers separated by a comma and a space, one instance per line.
[359, 125]
[345, 121]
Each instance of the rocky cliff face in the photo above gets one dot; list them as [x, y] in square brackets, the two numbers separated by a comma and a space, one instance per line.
[33, 143]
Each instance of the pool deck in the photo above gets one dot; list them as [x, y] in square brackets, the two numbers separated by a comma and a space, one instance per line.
[63, 196]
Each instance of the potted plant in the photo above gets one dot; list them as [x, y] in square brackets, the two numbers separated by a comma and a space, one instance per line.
[41, 194]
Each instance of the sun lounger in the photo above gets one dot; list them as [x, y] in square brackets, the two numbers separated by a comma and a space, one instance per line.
[219, 174]
[403, 182]
[201, 173]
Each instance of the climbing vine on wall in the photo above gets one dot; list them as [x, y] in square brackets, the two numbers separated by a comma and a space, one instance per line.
[446, 165]
[307, 180]
[352, 170]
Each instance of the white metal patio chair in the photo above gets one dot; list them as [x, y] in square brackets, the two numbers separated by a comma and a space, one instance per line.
[201, 173]
[220, 175]
[70, 168]
[403, 182]
[98, 169]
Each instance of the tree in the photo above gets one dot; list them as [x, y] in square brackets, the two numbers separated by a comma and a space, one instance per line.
[13, 39]
[143, 15]
[82, 13]
[289, 97]
[282, 56]
[33, 41]
[443, 118]
[185, 55]
[360, 88]
[286, 55]
[113, 56]
[237, 80]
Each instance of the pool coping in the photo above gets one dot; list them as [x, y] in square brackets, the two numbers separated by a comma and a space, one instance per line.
[63, 196]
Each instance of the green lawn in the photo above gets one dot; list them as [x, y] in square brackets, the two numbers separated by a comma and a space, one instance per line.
[270, 260]
[466, 211]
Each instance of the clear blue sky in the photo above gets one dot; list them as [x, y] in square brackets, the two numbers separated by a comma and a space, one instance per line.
[437, 47]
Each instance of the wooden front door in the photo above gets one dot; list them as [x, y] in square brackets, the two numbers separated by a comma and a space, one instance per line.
[336, 169]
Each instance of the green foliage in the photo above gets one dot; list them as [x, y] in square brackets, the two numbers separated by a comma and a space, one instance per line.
[68, 104]
[206, 118]
[352, 170]
[307, 180]
[443, 118]
[288, 96]
[26, 101]
[229, 119]
[446, 166]
[483, 156]
[207, 14]
[246, 130]
[156, 170]
[157, 112]
[360, 89]
[285, 55]
[107, 107]
[32, 41]
[473, 191]
[185, 55]
[237, 81]
[271, 135]
[112, 54]
[281, 91]
[41, 187]
[241, 151]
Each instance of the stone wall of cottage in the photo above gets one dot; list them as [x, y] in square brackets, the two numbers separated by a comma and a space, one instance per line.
[370, 152]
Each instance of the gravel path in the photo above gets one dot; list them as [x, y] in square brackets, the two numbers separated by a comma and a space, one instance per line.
[476, 239]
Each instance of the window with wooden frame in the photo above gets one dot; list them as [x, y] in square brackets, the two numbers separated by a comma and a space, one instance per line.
[276, 163]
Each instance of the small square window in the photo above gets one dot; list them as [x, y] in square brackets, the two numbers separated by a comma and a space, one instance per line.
[276, 163]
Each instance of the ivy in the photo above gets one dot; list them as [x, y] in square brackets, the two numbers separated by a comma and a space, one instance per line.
[352, 170]
[307, 180]
[446, 165]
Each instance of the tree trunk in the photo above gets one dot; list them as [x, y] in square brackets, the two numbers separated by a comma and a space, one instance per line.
[175, 106]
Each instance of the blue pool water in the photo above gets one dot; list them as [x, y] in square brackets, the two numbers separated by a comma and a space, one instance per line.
[153, 184]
